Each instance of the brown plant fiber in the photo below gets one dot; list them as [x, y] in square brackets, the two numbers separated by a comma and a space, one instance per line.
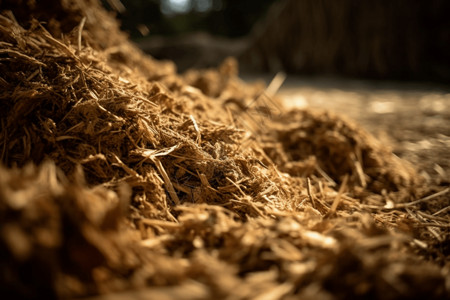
[122, 179]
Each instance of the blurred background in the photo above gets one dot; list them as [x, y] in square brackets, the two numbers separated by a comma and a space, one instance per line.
[383, 39]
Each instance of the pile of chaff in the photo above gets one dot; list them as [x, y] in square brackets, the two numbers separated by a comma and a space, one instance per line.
[121, 176]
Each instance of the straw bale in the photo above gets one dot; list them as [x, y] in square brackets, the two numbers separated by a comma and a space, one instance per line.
[147, 179]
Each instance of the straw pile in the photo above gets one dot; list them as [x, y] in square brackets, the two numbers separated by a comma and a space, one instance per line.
[120, 176]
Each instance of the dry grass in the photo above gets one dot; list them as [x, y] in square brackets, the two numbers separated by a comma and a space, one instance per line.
[198, 181]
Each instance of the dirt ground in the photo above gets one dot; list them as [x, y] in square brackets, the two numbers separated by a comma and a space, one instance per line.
[413, 118]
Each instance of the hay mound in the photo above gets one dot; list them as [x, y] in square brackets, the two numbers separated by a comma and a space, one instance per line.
[196, 181]
[339, 147]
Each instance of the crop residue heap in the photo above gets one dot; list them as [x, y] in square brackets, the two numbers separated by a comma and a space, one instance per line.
[121, 176]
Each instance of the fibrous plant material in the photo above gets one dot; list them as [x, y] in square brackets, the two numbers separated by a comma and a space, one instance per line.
[149, 179]
[382, 39]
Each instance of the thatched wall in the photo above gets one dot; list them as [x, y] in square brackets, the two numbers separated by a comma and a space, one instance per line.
[400, 39]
